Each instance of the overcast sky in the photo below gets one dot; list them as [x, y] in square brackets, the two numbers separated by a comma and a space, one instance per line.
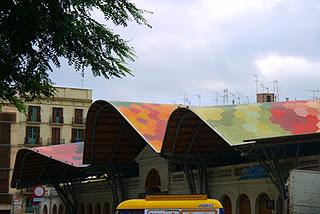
[200, 47]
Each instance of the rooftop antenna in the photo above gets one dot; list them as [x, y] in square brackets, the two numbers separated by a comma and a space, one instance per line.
[257, 82]
[267, 88]
[275, 84]
[225, 96]
[199, 98]
[185, 100]
[233, 100]
[314, 91]
[82, 78]
[262, 86]
[239, 95]
[217, 97]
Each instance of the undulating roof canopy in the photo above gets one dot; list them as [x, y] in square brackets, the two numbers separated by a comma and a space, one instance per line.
[48, 165]
[239, 123]
[116, 132]
[217, 130]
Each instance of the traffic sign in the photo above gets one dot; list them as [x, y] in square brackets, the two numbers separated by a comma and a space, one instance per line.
[38, 199]
[39, 191]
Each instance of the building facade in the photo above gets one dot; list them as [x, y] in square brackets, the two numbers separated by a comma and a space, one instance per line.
[239, 190]
[59, 120]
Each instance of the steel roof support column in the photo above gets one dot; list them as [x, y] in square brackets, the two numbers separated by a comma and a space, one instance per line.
[187, 169]
[276, 171]
[115, 183]
[115, 177]
[67, 193]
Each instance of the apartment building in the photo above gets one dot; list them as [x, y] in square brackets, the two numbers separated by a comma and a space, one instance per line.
[58, 120]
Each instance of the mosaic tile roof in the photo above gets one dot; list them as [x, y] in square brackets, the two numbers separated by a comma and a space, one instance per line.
[66, 153]
[150, 120]
[262, 120]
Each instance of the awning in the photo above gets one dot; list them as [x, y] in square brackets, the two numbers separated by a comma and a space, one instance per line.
[48, 165]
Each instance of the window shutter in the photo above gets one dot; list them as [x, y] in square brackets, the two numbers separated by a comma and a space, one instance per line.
[38, 113]
[73, 135]
[29, 113]
[61, 115]
[38, 135]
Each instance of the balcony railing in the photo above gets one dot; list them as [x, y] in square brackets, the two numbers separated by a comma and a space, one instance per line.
[78, 121]
[56, 120]
[27, 191]
[32, 141]
[76, 140]
[33, 119]
[53, 141]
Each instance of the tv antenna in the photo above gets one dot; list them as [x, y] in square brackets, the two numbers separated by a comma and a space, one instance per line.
[225, 96]
[199, 98]
[314, 93]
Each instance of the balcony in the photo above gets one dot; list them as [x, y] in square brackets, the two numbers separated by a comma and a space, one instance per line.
[76, 140]
[30, 142]
[56, 120]
[27, 191]
[34, 119]
[78, 121]
[53, 141]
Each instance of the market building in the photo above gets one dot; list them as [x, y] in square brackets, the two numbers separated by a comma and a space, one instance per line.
[59, 120]
[240, 154]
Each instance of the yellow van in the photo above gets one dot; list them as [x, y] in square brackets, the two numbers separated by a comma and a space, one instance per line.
[171, 204]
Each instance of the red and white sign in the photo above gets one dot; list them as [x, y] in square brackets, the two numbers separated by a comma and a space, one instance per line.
[39, 191]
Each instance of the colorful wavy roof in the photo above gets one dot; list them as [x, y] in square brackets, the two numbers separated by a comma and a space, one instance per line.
[149, 120]
[70, 154]
[253, 121]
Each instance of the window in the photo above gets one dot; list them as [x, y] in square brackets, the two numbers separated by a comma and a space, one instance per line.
[55, 136]
[268, 98]
[4, 181]
[78, 116]
[32, 135]
[77, 135]
[57, 115]
[4, 157]
[34, 114]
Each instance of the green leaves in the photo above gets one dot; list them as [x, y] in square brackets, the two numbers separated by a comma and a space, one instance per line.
[35, 34]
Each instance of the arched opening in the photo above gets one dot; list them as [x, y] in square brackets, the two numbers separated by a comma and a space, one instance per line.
[54, 209]
[226, 203]
[97, 208]
[243, 205]
[61, 209]
[261, 204]
[81, 209]
[106, 208]
[153, 182]
[89, 209]
[45, 209]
